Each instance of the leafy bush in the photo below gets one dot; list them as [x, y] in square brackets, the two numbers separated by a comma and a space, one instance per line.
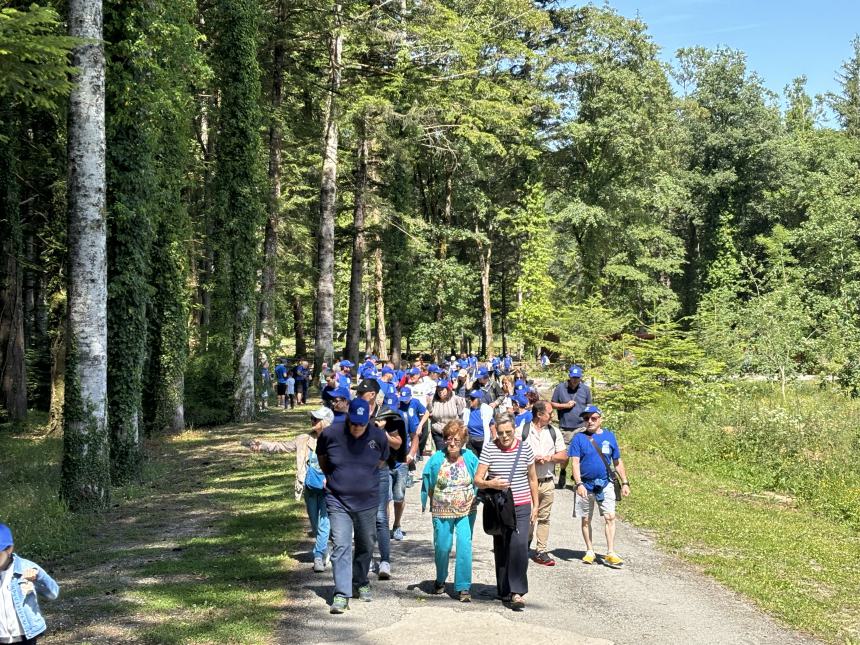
[208, 397]
[808, 448]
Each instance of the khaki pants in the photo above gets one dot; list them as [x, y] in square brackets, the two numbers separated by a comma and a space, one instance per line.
[546, 491]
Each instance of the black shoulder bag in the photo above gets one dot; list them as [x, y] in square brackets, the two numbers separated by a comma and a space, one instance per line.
[610, 469]
[499, 512]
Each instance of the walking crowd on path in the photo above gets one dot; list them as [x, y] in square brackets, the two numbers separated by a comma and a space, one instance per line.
[490, 443]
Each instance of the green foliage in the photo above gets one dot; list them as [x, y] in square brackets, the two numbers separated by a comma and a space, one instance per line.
[207, 377]
[34, 68]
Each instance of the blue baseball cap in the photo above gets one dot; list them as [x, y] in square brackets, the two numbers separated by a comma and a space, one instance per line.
[476, 394]
[574, 372]
[413, 371]
[434, 369]
[519, 384]
[340, 393]
[443, 383]
[5, 537]
[359, 411]
[405, 394]
[590, 409]
[520, 400]
[346, 363]
[387, 370]
[482, 373]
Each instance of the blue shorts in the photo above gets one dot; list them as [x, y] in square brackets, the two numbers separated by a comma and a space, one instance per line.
[398, 482]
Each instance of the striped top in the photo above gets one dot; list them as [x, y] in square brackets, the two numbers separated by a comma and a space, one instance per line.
[499, 463]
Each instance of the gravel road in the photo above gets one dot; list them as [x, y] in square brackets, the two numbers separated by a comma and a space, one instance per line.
[654, 598]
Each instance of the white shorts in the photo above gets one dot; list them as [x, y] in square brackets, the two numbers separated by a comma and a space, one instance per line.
[585, 507]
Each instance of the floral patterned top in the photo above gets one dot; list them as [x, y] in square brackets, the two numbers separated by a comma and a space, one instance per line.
[454, 495]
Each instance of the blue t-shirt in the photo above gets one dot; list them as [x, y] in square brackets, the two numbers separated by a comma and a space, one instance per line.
[590, 464]
[508, 362]
[522, 417]
[301, 372]
[389, 393]
[344, 381]
[414, 410]
[476, 424]
[569, 419]
[281, 373]
[352, 475]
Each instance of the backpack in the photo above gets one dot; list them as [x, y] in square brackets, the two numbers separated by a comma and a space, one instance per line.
[528, 427]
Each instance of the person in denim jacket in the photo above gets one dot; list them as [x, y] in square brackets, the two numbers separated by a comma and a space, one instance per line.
[20, 582]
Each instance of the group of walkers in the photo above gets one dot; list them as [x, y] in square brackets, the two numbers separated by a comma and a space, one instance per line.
[493, 441]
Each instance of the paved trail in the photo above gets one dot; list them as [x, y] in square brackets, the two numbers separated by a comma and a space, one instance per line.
[653, 599]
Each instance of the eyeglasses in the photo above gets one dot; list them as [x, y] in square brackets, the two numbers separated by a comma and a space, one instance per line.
[453, 440]
[594, 417]
[506, 433]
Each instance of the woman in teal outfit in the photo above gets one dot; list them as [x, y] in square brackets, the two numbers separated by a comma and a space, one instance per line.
[448, 483]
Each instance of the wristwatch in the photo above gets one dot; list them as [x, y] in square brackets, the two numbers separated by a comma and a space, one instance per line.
[625, 484]
[577, 484]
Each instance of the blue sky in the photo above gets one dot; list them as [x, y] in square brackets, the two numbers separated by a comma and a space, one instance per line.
[782, 39]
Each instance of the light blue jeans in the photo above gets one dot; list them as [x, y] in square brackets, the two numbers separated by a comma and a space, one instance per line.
[445, 529]
[318, 516]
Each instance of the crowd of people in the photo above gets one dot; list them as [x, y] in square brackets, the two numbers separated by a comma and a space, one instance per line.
[493, 438]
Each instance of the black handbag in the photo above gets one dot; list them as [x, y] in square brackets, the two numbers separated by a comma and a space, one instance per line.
[499, 512]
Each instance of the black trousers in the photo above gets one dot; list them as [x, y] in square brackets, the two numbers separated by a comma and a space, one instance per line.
[476, 445]
[511, 551]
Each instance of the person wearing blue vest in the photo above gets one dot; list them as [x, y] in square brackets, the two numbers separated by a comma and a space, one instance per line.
[495, 365]
[478, 419]
[507, 364]
[21, 582]
[569, 400]
[387, 387]
[351, 455]
[595, 462]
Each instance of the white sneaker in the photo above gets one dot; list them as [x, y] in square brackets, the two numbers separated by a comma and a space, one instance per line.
[319, 565]
[384, 570]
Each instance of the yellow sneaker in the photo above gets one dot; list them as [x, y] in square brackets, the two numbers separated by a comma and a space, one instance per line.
[613, 560]
[588, 558]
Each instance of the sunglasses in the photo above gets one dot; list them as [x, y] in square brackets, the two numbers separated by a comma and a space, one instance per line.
[506, 433]
[593, 417]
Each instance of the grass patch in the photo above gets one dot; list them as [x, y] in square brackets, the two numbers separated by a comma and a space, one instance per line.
[764, 511]
[196, 551]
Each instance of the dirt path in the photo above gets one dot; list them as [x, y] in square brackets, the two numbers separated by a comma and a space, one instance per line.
[653, 599]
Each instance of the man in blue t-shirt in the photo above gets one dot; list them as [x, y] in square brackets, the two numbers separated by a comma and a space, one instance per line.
[507, 364]
[569, 399]
[351, 454]
[387, 387]
[345, 378]
[415, 414]
[281, 377]
[595, 461]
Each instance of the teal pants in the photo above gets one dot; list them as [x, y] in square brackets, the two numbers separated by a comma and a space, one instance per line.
[445, 529]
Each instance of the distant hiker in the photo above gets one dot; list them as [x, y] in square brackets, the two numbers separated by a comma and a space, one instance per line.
[570, 399]
[448, 483]
[548, 446]
[266, 383]
[444, 407]
[544, 360]
[301, 373]
[21, 582]
[345, 378]
[350, 455]
[491, 391]
[478, 419]
[507, 363]
[506, 463]
[522, 412]
[595, 462]
[281, 377]
[310, 484]
[291, 391]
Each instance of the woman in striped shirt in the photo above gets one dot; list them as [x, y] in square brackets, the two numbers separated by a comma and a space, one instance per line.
[511, 549]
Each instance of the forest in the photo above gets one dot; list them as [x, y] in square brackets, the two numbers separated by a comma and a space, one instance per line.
[189, 187]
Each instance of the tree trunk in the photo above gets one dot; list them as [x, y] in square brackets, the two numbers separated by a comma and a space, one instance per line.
[381, 341]
[368, 327]
[396, 341]
[86, 464]
[58, 376]
[266, 318]
[13, 369]
[485, 251]
[244, 403]
[359, 244]
[299, 326]
[504, 315]
[324, 338]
